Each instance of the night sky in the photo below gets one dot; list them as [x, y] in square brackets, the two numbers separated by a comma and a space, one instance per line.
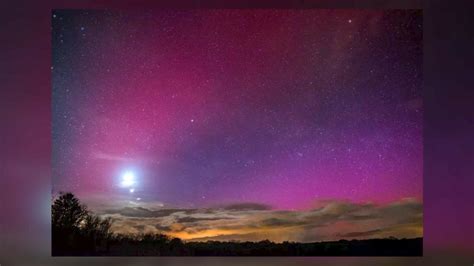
[247, 113]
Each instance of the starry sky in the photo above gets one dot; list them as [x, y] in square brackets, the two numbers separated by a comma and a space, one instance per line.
[247, 113]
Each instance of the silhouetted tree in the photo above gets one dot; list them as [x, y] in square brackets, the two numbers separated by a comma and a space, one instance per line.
[75, 230]
[67, 212]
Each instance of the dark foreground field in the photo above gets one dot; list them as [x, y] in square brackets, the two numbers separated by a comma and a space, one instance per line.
[163, 246]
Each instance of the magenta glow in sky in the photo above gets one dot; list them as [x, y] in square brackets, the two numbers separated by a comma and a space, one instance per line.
[206, 107]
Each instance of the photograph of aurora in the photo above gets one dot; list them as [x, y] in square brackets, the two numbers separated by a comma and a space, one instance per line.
[237, 132]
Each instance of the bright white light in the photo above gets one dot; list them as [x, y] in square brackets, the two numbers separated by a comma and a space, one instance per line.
[132, 190]
[128, 179]
[139, 198]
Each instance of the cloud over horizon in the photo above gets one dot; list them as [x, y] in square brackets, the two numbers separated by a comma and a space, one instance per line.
[329, 220]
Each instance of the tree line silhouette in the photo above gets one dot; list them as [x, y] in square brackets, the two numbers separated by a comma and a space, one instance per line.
[76, 231]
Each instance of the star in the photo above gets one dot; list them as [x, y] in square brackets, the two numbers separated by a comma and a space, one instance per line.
[128, 179]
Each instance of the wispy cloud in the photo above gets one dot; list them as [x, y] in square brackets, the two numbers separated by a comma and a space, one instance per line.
[111, 157]
[331, 220]
[120, 158]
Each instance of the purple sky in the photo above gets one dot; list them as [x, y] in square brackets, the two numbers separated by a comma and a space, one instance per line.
[206, 107]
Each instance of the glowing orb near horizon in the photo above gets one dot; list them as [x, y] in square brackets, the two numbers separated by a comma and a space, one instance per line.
[132, 190]
[128, 179]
